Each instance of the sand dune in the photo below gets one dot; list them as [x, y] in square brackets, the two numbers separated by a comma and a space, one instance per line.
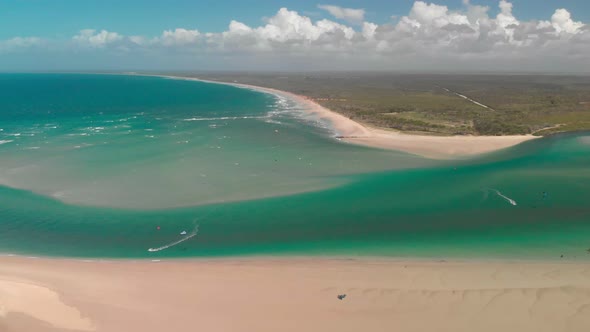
[292, 294]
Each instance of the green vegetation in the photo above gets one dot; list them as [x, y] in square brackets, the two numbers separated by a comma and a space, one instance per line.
[518, 104]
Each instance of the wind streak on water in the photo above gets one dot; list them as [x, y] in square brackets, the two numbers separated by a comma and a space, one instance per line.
[172, 244]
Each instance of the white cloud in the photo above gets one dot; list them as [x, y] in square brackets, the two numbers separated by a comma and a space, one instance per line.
[92, 38]
[351, 15]
[430, 36]
[475, 13]
[430, 33]
[19, 43]
[179, 37]
[562, 21]
[427, 13]
[369, 30]
[506, 22]
[432, 16]
[138, 40]
[287, 30]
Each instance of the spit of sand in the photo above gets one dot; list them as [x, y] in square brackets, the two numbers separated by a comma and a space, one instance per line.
[437, 147]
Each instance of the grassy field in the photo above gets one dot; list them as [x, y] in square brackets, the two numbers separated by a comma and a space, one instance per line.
[418, 103]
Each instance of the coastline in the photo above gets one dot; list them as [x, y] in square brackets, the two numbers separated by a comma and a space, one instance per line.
[350, 131]
[291, 294]
[282, 293]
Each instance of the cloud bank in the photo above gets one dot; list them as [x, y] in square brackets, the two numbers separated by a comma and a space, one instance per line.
[429, 37]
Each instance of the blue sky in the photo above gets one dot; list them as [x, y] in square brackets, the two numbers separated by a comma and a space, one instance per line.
[54, 18]
[533, 35]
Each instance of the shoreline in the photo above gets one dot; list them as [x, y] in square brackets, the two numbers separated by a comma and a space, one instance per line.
[301, 257]
[350, 131]
[291, 294]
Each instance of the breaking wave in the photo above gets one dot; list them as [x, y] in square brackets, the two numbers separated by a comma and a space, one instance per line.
[225, 118]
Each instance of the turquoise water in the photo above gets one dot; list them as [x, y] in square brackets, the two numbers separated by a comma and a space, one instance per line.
[111, 166]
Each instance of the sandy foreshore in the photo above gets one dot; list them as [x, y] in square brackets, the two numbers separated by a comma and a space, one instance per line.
[438, 147]
[292, 294]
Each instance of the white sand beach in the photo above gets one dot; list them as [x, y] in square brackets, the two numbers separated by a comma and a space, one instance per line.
[438, 147]
[292, 294]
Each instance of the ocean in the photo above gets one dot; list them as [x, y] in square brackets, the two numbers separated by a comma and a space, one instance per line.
[114, 166]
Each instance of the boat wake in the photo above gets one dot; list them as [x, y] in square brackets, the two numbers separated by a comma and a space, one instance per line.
[172, 244]
[506, 198]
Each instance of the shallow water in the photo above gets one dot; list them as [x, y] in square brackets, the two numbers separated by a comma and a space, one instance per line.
[93, 165]
[145, 142]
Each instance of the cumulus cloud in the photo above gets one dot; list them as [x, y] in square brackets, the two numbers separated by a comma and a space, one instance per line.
[287, 30]
[427, 30]
[430, 36]
[562, 21]
[348, 14]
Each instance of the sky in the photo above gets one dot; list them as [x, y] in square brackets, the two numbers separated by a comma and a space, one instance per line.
[296, 35]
